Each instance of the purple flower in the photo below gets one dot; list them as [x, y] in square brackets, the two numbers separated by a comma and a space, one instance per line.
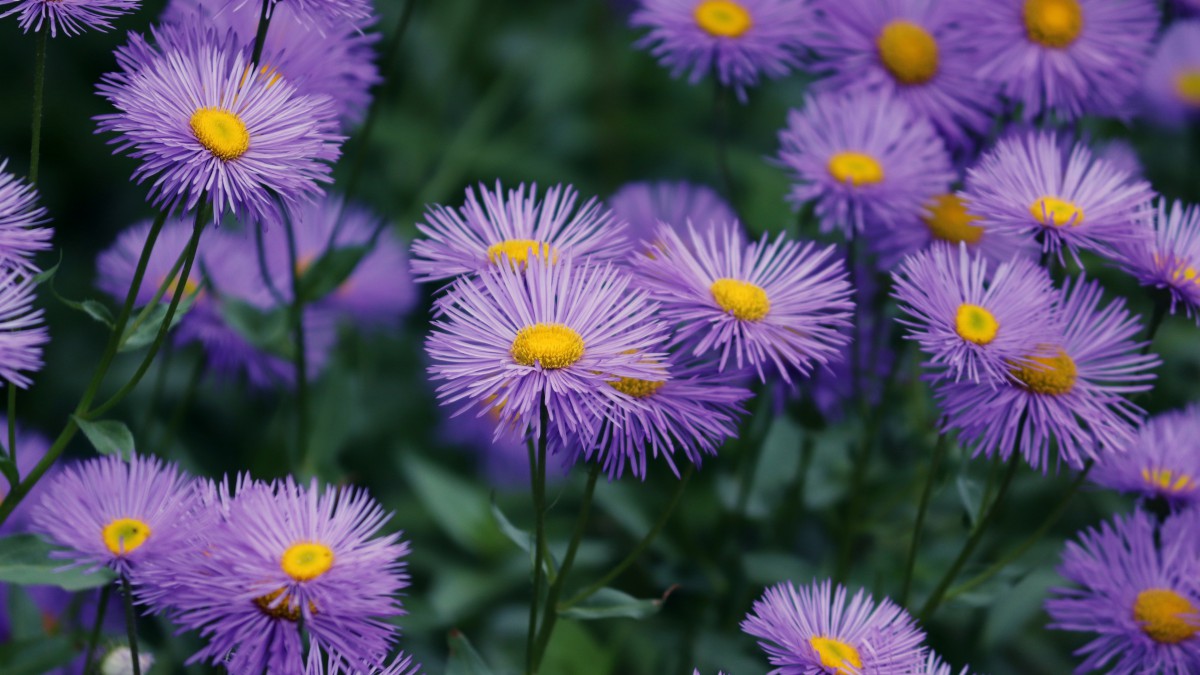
[1171, 83]
[550, 334]
[515, 228]
[1141, 600]
[205, 122]
[775, 304]
[502, 452]
[72, 17]
[1063, 57]
[1162, 462]
[322, 13]
[1167, 255]
[116, 265]
[865, 158]
[934, 665]
[1035, 185]
[331, 664]
[644, 205]
[31, 448]
[915, 49]
[1072, 400]
[21, 234]
[1121, 154]
[109, 512]
[817, 629]
[971, 324]
[22, 331]
[945, 221]
[737, 41]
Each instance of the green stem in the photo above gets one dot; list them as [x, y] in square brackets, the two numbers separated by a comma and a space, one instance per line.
[939, 451]
[131, 625]
[189, 393]
[156, 392]
[94, 637]
[299, 358]
[550, 613]
[537, 468]
[637, 550]
[260, 253]
[39, 89]
[1161, 304]
[159, 292]
[260, 37]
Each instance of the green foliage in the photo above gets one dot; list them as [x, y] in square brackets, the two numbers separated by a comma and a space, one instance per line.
[108, 437]
[25, 560]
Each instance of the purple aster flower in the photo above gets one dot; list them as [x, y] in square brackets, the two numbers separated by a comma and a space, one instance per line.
[1074, 397]
[934, 665]
[337, 61]
[116, 265]
[915, 49]
[865, 159]
[72, 17]
[1140, 600]
[31, 448]
[945, 221]
[502, 452]
[1036, 185]
[552, 335]
[1171, 83]
[21, 234]
[23, 333]
[205, 122]
[279, 554]
[737, 41]
[1063, 57]
[331, 664]
[323, 13]
[644, 205]
[109, 512]
[775, 304]
[817, 629]
[1162, 462]
[1167, 255]
[1121, 154]
[973, 324]
[479, 236]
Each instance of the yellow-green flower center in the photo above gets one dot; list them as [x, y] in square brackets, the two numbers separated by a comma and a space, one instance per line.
[124, 535]
[306, 560]
[1057, 212]
[908, 52]
[722, 18]
[742, 299]
[1053, 23]
[551, 345]
[975, 324]
[1053, 375]
[842, 657]
[1166, 616]
[221, 132]
[947, 218]
[518, 251]
[285, 608]
[855, 168]
[1187, 86]
[1168, 480]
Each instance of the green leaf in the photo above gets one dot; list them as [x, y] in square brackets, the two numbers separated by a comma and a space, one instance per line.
[971, 495]
[34, 657]
[609, 603]
[329, 272]
[464, 660]
[25, 560]
[269, 331]
[523, 539]
[43, 277]
[98, 311]
[459, 507]
[109, 437]
[146, 331]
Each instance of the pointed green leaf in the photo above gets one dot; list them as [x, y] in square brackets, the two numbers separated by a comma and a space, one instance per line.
[47, 275]
[329, 272]
[268, 331]
[145, 332]
[609, 603]
[25, 560]
[464, 660]
[109, 437]
[523, 539]
[98, 311]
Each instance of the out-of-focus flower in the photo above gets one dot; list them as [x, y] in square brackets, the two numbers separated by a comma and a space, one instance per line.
[644, 205]
[1167, 255]
[1171, 84]
[1162, 462]
[31, 448]
[946, 222]
[70, 17]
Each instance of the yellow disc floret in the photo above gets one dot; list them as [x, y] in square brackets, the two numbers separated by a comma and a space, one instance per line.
[908, 52]
[550, 345]
[125, 535]
[1053, 23]
[843, 658]
[281, 608]
[742, 299]
[221, 132]
[637, 388]
[1187, 86]
[947, 218]
[518, 251]
[722, 18]
[1166, 616]
[1056, 212]
[1054, 375]
[306, 560]
[855, 168]
[975, 324]
[1169, 480]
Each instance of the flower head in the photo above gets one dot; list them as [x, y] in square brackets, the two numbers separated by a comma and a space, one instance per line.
[737, 41]
[1171, 84]
[322, 13]
[21, 221]
[865, 159]
[70, 17]
[946, 222]
[23, 333]
[1167, 255]
[1162, 462]
[644, 205]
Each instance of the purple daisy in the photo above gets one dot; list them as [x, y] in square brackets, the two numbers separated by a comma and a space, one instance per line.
[552, 335]
[109, 512]
[1167, 255]
[21, 220]
[204, 122]
[71, 17]
[331, 664]
[1163, 461]
[116, 265]
[817, 629]
[479, 236]
[973, 324]
[946, 222]
[644, 205]
[1035, 185]
[23, 332]
[1072, 400]
[737, 41]
[1121, 154]
[865, 158]
[1063, 57]
[322, 13]
[1142, 601]
[776, 304]
[336, 61]
[915, 49]
[1171, 83]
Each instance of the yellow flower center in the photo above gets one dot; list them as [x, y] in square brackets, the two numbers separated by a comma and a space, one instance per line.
[975, 324]
[908, 52]
[855, 168]
[1168, 480]
[1166, 616]
[125, 535]
[518, 251]
[1056, 212]
[742, 299]
[306, 560]
[1054, 375]
[286, 609]
[843, 658]
[551, 345]
[1053, 23]
[1187, 85]
[220, 132]
[722, 18]
[947, 218]
[637, 388]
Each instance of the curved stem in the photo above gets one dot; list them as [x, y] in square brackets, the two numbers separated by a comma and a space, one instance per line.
[39, 89]
[939, 451]
[260, 37]
[131, 625]
[300, 357]
[94, 637]
[537, 468]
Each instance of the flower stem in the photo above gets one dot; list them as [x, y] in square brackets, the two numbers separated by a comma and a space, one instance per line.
[1161, 304]
[939, 451]
[39, 89]
[189, 393]
[537, 468]
[131, 625]
[95, 634]
[260, 38]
